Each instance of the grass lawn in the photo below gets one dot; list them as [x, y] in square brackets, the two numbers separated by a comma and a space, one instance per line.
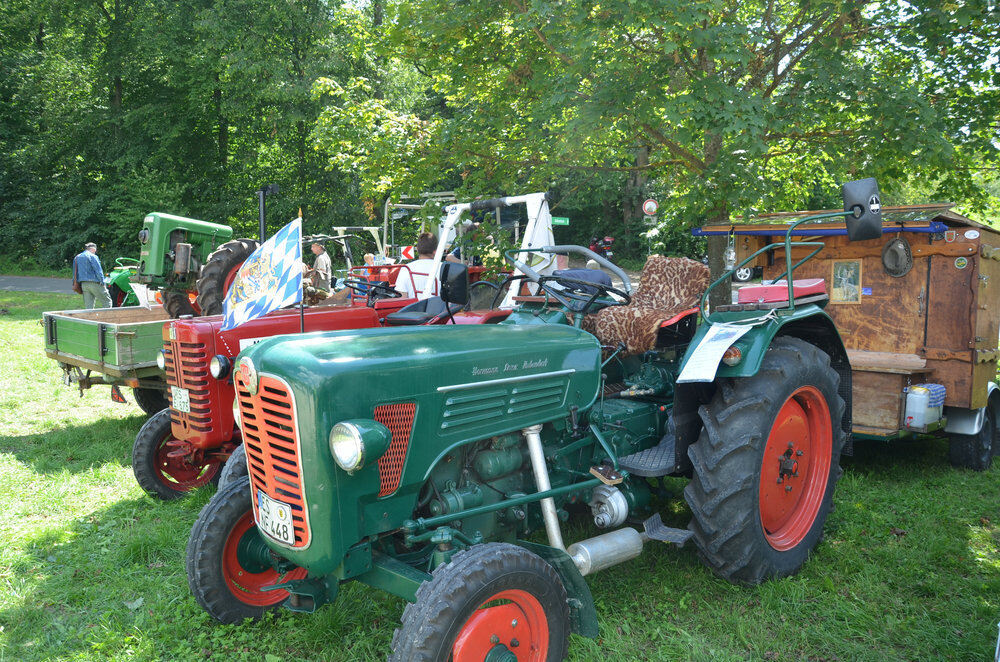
[91, 568]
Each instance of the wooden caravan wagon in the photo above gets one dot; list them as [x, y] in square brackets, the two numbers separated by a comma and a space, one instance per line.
[918, 309]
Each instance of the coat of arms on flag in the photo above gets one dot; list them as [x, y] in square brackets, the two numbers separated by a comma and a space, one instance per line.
[271, 278]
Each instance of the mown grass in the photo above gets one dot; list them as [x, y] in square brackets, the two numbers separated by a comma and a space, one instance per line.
[91, 568]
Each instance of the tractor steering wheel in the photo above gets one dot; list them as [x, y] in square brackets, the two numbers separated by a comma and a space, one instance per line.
[567, 296]
[373, 289]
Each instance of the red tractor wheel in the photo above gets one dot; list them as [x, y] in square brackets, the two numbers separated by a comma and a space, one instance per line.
[493, 601]
[766, 464]
[228, 565]
[219, 273]
[160, 469]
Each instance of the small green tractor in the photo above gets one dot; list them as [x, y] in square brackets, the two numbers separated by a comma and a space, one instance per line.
[421, 460]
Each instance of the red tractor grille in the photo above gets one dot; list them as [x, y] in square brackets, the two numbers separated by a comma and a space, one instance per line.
[271, 439]
[399, 419]
[187, 367]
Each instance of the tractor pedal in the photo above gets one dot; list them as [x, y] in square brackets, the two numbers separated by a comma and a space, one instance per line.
[657, 530]
[652, 462]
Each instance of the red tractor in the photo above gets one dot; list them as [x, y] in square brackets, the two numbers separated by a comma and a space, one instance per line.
[185, 446]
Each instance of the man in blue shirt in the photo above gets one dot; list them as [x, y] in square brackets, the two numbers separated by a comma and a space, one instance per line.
[87, 271]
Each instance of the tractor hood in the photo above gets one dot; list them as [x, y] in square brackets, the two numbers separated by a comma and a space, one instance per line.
[434, 388]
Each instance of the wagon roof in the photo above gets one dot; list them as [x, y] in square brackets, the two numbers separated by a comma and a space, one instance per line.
[932, 217]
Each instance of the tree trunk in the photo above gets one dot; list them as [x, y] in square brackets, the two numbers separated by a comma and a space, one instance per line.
[223, 131]
[722, 294]
[635, 189]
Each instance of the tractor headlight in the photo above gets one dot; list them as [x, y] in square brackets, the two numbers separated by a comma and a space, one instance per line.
[236, 413]
[161, 360]
[219, 366]
[355, 442]
[143, 236]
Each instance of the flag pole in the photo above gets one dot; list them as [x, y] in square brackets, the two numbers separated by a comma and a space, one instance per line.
[302, 297]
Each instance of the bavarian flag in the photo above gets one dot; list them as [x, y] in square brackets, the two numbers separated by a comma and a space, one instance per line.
[271, 278]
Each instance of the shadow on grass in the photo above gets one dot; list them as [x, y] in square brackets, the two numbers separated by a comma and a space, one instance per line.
[875, 458]
[76, 448]
[112, 584]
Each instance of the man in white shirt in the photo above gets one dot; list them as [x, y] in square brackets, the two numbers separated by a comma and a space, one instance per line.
[420, 268]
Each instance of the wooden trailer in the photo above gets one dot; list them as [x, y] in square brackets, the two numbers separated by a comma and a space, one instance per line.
[920, 305]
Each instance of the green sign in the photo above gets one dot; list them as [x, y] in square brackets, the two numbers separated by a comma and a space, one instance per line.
[560, 220]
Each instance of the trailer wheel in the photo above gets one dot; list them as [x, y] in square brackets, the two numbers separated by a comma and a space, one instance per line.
[492, 601]
[225, 576]
[159, 474]
[975, 451]
[220, 271]
[150, 400]
[234, 468]
[766, 465]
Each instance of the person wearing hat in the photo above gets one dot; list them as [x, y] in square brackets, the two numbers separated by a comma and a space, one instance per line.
[87, 271]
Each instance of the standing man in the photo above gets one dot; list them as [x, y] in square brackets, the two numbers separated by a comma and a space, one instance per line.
[323, 267]
[88, 272]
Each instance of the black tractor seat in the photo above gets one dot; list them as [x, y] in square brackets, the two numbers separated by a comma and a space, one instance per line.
[420, 312]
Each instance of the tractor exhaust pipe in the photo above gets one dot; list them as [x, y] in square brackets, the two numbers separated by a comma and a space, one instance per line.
[541, 472]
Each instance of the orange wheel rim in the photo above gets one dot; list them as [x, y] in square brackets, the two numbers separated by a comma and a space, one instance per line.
[512, 619]
[247, 586]
[795, 468]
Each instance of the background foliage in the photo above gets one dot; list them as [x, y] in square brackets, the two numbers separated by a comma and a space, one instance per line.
[113, 108]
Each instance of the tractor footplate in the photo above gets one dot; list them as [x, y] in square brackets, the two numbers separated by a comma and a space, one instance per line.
[657, 530]
[659, 460]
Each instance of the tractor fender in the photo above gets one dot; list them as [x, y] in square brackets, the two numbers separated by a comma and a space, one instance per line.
[970, 421]
[809, 323]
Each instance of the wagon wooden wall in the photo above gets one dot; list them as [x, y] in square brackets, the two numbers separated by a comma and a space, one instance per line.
[937, 323]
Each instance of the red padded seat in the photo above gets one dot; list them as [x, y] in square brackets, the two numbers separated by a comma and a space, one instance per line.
[778, 292]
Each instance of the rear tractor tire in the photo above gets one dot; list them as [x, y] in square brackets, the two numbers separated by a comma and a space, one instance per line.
[225, 582]
[160, 475]
[766, 465]
[493, 601]
[177, 304]
[219, 272]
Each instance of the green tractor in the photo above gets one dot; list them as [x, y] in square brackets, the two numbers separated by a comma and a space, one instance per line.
[420, 461]
[182, 256]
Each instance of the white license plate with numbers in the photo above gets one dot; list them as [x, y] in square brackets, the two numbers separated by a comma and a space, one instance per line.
[180, 399]
[275, 518]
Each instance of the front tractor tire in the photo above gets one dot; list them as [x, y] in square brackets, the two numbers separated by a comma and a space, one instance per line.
[157, 472]
[493, 601]
[225, 577]
[220, 271]
[766, 465]
[235, 467]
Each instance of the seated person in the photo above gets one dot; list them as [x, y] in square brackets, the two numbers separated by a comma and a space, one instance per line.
[470, 235]
[420, 268]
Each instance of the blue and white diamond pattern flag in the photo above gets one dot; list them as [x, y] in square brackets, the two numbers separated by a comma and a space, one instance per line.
[271, 278]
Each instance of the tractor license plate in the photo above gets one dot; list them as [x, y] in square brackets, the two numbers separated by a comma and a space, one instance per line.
[275, 518]
[180, 399]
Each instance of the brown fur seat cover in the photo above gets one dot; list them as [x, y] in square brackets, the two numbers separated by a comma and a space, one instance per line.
[668, 285]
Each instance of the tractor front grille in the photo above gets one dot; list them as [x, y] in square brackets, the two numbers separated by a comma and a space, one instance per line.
[399, 419]
[187, 367]
[271, 439]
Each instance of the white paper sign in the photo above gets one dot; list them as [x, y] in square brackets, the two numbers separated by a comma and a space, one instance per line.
[247, 342]
[704, 361]
[141, 293]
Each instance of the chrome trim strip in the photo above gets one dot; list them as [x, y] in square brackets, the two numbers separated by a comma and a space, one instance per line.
[505, 380]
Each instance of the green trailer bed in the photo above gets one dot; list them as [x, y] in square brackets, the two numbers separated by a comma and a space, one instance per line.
[116, 346]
